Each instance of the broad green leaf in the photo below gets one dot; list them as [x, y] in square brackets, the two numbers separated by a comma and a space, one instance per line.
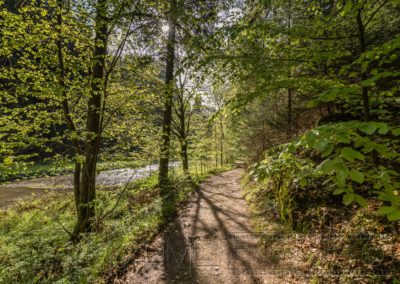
[327, 151]
[357, 176]
[348, 198]
[396, 131]
[326, 166]
[321, 145]
[387, 209]
[339, 190]
[360, 200]
[394, 216]
[383, 129]
[384, 176]
[309, 138]
[350, 154]
[369, 128]
[329, 165]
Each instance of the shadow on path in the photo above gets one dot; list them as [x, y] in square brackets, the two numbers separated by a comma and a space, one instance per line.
[210, 242]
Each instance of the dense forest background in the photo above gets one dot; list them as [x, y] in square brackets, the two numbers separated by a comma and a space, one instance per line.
[303, 93]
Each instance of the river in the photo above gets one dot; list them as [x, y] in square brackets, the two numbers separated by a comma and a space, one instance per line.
[13, 192]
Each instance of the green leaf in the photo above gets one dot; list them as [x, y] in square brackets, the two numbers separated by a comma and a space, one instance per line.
[309, 138]
[346, 8]
[394, 216]
[348, 198]
[326, 166]
[387, 209]
[342, 172]
[383, 129]
[327, 151]
[360, 200]
[321, 145]
[357, 176]
[368, 83]
[350, 154]
[384, 176]
[292, 148]
[396, 131]
[339, 190]
[369, 128]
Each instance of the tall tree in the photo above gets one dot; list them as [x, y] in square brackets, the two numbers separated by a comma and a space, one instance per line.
[169, 90]
[183, 112]
[87, 190]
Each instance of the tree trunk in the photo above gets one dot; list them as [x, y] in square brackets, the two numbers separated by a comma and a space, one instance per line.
[221, 142]
[87, 192]
[364, 75]
[216, 145]
[65, 105]
[289, 109]
[289, 91]
[77, 185]
[169, 82]
[185, 158]
[182, 139]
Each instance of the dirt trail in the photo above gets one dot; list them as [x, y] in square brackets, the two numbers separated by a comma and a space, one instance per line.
[210, 242]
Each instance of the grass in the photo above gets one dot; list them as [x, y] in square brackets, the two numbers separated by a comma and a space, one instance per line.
[34, 242]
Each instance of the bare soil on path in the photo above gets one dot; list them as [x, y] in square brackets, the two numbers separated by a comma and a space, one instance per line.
[211, 241]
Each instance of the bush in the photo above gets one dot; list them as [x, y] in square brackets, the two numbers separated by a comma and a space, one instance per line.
[358, 160]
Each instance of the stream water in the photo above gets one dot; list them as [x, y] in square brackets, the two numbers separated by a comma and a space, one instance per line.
[12, 192]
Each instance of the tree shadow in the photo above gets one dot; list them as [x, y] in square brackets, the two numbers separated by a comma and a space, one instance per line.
[177, 256]
[212, 243]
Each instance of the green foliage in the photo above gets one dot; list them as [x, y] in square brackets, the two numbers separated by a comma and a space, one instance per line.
[358, 160]
[285, 179]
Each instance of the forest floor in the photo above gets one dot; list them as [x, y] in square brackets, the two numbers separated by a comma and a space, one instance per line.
[211, 241]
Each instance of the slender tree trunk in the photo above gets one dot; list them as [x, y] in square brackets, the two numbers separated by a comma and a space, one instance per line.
[169, 82]
[185, 158]
[221, 142]
[77, 185]
[289, 91]
[364, 75]
[216, 145]
[65, 105]
[87, 192]
[183, 141]
[289, 109]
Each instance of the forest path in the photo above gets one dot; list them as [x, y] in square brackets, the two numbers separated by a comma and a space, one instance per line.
[211, 241]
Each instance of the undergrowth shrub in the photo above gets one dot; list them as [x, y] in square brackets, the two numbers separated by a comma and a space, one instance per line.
[356, 160]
